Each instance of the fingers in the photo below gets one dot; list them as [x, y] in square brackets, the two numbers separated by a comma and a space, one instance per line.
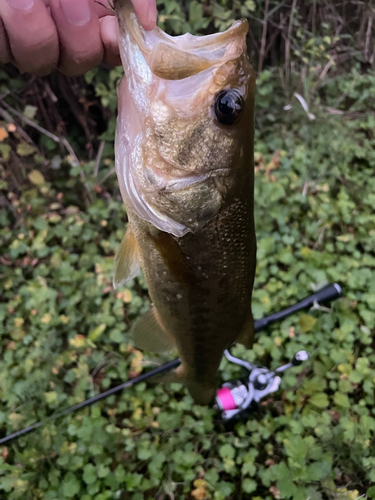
[144, 9]
[146, 13]
[102, 8]
[32, 36]
[109, 34]
[75, 35]
[78, 28]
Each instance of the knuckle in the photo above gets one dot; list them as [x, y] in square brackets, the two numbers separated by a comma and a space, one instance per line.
[43, 40]
[40, 55]
[79, 62]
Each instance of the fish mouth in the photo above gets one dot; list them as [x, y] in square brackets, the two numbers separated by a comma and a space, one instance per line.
[172, 80]
[179, 57]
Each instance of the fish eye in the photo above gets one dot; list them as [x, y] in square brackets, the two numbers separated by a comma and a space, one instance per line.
[228, 106]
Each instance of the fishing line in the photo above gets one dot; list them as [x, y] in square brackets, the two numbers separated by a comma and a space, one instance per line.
[326, 294]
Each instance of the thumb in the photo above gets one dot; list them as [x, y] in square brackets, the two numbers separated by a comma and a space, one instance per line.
[146, 13]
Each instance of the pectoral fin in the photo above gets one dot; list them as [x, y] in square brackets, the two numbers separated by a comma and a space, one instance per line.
[150, 336]
[126, 260]
[246, 337]
[174, 258]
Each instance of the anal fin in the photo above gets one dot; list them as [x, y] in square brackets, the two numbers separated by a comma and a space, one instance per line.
[126, 260]
[150, 336]
[246, 337]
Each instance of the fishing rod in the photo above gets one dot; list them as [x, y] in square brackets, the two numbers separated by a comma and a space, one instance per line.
[233, 397]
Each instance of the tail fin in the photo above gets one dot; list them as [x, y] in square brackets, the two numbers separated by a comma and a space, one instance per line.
[203, 393]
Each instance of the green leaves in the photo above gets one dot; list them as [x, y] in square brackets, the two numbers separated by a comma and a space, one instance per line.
[64, 333]
[96, 332]
[307, 322]
[248, 485]
[36, 178]
[341, 400]
[227, 451]
[295, 448]
[25, 149]
[89, 474]
[70, 485]
[319, 400]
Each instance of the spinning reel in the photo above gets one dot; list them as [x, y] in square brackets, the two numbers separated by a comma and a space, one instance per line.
[238, 397]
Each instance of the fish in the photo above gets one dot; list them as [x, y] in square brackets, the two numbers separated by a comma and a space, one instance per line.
[184, 151]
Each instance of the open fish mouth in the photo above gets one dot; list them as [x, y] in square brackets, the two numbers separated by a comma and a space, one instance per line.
[173, 157]
[178, 57]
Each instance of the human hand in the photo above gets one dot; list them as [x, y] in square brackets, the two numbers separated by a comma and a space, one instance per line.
[71, 35]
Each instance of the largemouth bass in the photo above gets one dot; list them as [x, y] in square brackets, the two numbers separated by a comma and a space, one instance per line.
[184, 161]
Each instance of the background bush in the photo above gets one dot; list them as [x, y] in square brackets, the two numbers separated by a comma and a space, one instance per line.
[64, 331]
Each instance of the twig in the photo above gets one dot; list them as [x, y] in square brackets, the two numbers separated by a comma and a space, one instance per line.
[275, 33]
[100, 365]
[2, 96]
[287, 43]
[70, 150]
[333, 111]
[320, 238]
[9, 119]
[42, 130]
[371, 60]
[368, 36]
[50, 92]
[67, 90]
[264, 35]
[64, 141]
[98, 158]
[350, 114]
[107, 175]
[281, 74]
[342, 97]
[31, 123]
[304, 106]
[322, 74]
[305, 188]
[13, 174]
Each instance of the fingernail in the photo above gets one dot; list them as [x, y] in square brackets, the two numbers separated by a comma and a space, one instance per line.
[21, 4]
[77, 12]
[152, 13]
